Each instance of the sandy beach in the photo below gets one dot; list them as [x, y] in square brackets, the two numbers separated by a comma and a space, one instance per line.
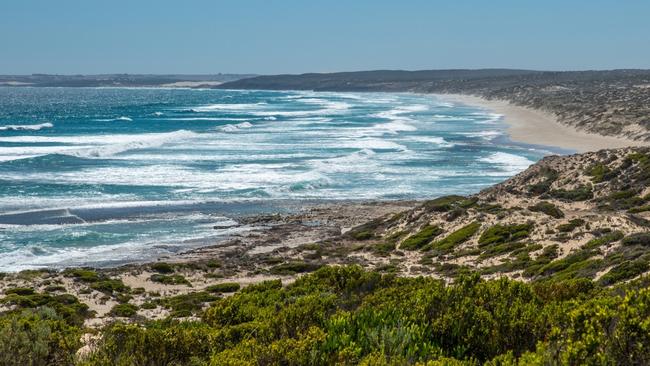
[540, 128]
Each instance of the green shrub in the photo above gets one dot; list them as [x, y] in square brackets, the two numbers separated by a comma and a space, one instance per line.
[187, 304]
[109, 286]
[637, 239]
[23, 291]
[570, 226]
[581, 193]
[455, 238]
[421, 238]
[162, 267]
[81, 274]
[549, 176]
[169, 279]
[547, 208]
[447, 203]
[498, 234]
[294, 267]
[603, 240]
[67, 306]
[37, 337]
[224, 287]
[600, 173]
[624, 271]
[125, 310]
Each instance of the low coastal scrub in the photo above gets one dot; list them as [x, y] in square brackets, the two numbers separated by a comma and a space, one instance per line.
[421, 238]
[581, 193]
[547, 208]
[498, 234]
[455, 238]
[345, 315]
[223, 287]
[170, 279]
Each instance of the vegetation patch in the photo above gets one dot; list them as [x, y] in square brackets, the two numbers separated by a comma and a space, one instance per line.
[581, 193]
[110, 286]
[223, 287]
[547, 208]
[170, 279]
[455, 238]
[162, 267]
[624, 271]
[637, 239]
[421, 238]
[448, 203]
[294, 267]
[504, 233]
[67, 306]
[600, 172]
[603, 239]
[570, 226]
[83, 275]
[187, 304]
[124, 310]
[548, 177]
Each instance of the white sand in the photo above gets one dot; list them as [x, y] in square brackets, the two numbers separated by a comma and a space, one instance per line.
[532, 126]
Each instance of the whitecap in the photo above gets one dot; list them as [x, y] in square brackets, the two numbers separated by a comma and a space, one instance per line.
[26, 127]
[509, 164]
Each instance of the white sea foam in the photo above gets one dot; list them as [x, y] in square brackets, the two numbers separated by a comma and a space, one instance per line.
[118, 119]
[237, 127]
[26, 127]
[432, 140]
[509, 164]
[92, 145]
[486, 135]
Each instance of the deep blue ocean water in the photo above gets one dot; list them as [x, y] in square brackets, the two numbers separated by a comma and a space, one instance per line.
[100, 176]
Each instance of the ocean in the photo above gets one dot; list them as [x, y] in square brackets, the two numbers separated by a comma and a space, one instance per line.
[104, 176]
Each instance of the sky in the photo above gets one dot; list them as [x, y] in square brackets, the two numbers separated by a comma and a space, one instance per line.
[273, 36]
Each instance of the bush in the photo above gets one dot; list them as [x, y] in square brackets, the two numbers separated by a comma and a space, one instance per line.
[37, 337]
[224, 287]
[109, 286]
[170, 280]
[624, 271]
[600, 172]
[447, 203]
[498, 234]
[187, 304]
[637, 239]
[124, 310]
[421, 238]
[570, 226]
[294, 267]
[162, 267]
[581, 193]
[547, 208]
[455, 238]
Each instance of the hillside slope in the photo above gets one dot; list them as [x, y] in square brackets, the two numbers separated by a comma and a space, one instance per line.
[610, 102]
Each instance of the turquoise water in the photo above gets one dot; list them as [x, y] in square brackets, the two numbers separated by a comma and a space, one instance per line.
[100, 176]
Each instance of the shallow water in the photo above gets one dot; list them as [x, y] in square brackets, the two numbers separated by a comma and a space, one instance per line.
[100, 176]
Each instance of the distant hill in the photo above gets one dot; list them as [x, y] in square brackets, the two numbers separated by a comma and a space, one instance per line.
[609, 102]
[128, 80]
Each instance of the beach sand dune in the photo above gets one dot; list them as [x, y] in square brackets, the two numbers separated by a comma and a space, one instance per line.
[537, 127]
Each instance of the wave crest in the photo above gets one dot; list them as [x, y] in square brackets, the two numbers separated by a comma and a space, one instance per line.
[26, 127]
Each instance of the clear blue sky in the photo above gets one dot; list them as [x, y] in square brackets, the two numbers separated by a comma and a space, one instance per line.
[266, 36]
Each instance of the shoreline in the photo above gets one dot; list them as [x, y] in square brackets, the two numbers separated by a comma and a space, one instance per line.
[535, 127]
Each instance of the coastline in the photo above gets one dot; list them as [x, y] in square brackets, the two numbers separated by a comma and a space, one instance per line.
[530, 126]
